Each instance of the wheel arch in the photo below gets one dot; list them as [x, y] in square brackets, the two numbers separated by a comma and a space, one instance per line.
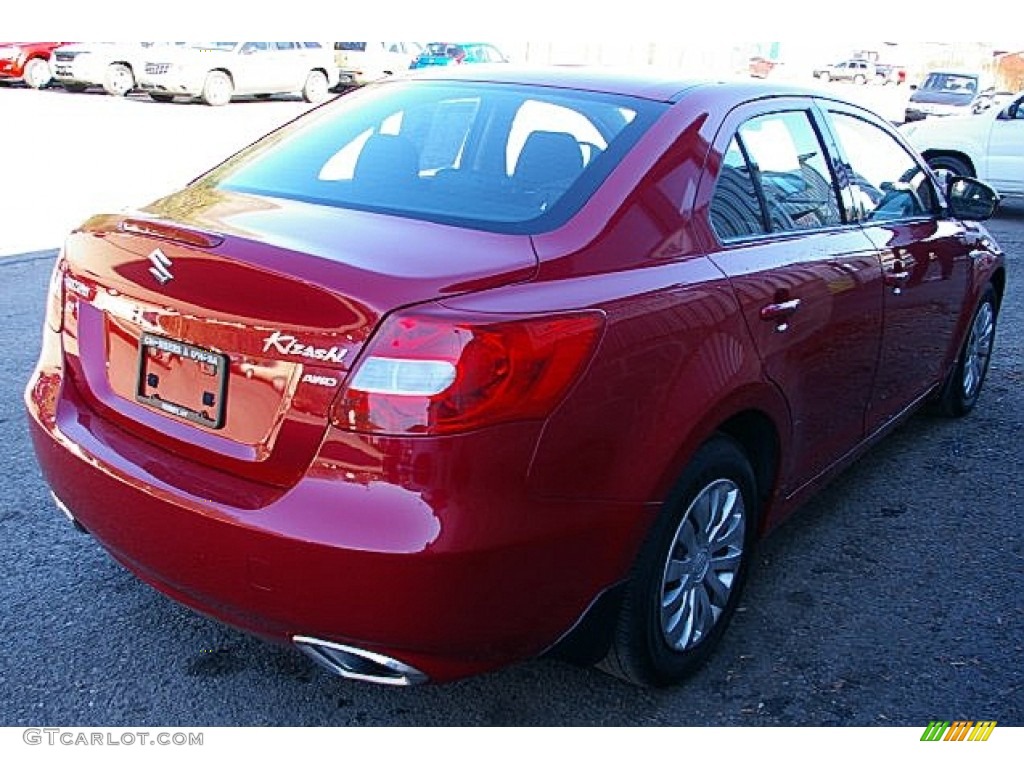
[757, 419]
[998, 281]
[957, 154]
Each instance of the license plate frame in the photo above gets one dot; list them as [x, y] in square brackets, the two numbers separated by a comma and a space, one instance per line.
[181, 363]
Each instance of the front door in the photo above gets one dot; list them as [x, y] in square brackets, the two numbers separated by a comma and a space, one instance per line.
[1006, 150]
[925, 258]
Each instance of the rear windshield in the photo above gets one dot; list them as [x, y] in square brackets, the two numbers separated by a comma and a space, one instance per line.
[950, 83]
[489, 156]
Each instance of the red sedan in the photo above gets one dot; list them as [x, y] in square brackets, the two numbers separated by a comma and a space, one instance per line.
[481, 363]
[29, 62]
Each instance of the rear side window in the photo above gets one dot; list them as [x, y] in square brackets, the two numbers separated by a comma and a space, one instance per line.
[736, 209]
[774, 178]
[792, 170]
[497, 157]
[350, 47]
[886, 181]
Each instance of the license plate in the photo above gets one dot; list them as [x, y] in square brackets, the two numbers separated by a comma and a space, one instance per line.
[182, 379]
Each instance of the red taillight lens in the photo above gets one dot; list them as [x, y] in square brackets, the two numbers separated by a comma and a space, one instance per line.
[424, 374]
[55, 295]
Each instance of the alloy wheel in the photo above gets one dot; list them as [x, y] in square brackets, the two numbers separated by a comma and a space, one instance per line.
[703, 564]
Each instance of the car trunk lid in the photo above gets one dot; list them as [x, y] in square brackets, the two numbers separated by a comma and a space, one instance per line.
[222, 325]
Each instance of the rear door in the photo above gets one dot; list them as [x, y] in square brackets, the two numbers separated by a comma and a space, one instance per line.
[925, 257]
[808, 281]
[254, 68]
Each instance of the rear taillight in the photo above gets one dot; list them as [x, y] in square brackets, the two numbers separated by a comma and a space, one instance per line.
[55, 295]
[423, 373]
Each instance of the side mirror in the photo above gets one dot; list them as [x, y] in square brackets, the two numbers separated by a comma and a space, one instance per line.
[971, 199]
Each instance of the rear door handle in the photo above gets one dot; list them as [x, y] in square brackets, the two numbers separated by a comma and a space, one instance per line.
[780, 312]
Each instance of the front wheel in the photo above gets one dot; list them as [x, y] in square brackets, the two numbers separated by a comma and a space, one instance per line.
[962, 388]
[315, 89]
[859, 79]
[37, 73]
[688, 576]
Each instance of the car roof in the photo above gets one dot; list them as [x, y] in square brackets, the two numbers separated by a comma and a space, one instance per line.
[648, 83]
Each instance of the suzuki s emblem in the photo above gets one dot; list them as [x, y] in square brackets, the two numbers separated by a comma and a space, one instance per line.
[161, 268]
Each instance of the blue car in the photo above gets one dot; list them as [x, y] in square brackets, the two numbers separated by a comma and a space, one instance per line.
[443, 54]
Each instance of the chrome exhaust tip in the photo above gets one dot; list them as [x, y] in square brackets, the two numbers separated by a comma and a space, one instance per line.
[357, 664]
[67, 512]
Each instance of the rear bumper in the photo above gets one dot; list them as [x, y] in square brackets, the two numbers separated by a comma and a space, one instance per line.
[433, 556]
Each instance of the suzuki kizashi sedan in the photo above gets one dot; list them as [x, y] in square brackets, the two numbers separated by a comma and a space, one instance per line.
[482, 363]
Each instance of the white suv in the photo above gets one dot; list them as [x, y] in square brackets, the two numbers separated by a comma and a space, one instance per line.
[216, 72]
[989, 145]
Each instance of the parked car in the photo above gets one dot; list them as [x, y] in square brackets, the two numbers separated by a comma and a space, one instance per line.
[989, 145]
[29, 62]
[111, 66]
[853, 70]
[764, 68]
[890, 74]
[362, 63]
[485, 362]
[943, 93]
[216, 72]
[443, 54]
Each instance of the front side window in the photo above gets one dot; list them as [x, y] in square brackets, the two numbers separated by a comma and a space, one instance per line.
[497, 157]
[886, 181]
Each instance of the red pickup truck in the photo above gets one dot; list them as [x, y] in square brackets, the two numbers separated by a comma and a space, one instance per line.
[27, 61]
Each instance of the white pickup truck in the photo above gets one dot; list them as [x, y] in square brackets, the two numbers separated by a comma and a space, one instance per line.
[989, 145]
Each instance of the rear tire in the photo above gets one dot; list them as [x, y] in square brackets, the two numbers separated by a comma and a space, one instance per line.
[687, 579]
[315, 90]
[963, 386]
[118, 80]
[218, 89]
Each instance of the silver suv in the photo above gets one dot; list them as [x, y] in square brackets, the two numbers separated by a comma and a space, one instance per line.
[216, 72]
[853, 70]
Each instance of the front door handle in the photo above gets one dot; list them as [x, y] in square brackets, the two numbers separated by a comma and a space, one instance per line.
[780, 312]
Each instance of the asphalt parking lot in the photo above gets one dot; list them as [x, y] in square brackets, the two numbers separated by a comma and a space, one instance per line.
[894, 598]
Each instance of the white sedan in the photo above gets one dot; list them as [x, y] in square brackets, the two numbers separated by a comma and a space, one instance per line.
[989, 146]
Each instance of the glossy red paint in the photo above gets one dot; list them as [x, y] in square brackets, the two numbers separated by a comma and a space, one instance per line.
[458, 553]
[12, 65]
